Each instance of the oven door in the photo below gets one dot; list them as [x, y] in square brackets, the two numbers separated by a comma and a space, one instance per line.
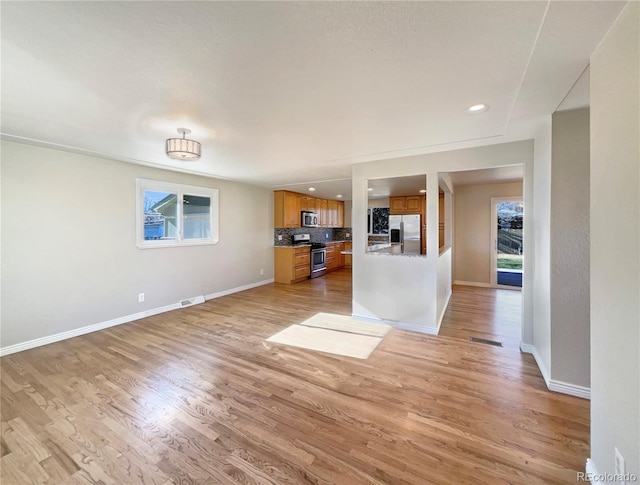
[318, 260]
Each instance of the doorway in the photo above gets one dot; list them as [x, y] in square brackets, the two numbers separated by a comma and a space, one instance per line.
[506, 233]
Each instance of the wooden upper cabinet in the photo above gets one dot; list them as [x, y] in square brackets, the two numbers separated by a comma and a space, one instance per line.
[286, 209]
[308, 203]
[323, 213]
[333, 213]
[340, 214]
[410, 204]
[397, 205]
[288, 205]
[413, 204]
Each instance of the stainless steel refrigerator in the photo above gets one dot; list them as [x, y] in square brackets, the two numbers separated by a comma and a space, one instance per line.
[405, 233]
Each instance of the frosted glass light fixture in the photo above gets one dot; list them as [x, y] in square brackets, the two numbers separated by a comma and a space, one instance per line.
[183, 148]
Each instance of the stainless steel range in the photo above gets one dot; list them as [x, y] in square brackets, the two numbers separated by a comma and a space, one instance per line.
[318, 254]
[318, 259]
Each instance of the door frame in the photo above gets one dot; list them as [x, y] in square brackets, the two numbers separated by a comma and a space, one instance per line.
[494, 241]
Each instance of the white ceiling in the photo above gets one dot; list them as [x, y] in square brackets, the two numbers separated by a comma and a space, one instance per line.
[283, 93]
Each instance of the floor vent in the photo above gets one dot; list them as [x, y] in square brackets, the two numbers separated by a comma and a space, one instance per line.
[485, 341]
[191, 301]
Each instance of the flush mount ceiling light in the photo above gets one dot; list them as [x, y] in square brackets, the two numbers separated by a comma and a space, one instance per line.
[183, 148]
[477, 108]
[423, 191]
[370, 189]
[339, 196]
[311, 189]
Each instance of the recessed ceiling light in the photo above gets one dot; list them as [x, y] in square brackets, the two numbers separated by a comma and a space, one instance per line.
[477, 108]
[370, 189]
[339, 196]
[423, 191]
[312, 189]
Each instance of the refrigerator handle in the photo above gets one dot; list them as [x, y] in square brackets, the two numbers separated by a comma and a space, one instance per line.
[401, 236]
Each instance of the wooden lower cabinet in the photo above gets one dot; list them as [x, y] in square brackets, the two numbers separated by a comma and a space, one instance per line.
[333, 254]
[348, 246]
[291, 264]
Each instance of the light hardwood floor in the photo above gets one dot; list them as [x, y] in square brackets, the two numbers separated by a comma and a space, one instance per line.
[485, 313]
[198, 396]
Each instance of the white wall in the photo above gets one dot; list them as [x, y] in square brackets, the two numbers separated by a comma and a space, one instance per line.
[539, 222]
[615, 245]
[404, 289]
[570, 343]
[473, 244]
[69, 255]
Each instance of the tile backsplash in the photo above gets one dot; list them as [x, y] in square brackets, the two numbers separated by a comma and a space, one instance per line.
[318, 234]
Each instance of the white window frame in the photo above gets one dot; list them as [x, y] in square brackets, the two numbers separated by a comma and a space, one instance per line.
[180, 190]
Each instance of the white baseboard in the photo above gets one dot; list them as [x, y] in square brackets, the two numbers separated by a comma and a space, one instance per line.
[571, 389]
[444, 310]
[530, 349]
[591, 470]
[212, 296]
[76, 332]
[401, 325]
[552, 384]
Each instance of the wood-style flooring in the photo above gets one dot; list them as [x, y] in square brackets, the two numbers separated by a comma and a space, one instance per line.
[196, 396]
[484, 313]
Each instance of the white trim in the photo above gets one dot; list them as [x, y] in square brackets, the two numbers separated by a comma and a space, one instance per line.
[530, 349]
[180, 190]
[444, 310]
[39, 342]
[212, 296]
[412, 327]
[400, 325]
[571, 389]
[554, 385]
[591, 470]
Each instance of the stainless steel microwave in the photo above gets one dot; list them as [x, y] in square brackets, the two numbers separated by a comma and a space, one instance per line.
[309, 219]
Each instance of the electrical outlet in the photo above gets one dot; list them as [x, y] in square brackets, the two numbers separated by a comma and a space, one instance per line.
[279, 237]
[326, 236]
[348, 235]
[261, 271]
[140, 297]
[620, 467]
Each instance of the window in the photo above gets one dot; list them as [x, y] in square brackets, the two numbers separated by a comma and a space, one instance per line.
[175, 215]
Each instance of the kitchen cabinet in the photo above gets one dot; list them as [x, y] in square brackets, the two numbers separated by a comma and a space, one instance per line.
[286, 209]
[323, 213]
[332, 262]
[288, 205]
[339, 255]
[413, 204]
[307, 203]
[292, 264]
[334, 258]
[410, 204]
[340, 222]
[396, 205]
[332, 206]
[348, 246]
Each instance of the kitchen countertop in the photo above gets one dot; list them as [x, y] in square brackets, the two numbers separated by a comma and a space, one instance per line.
[302, 245]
